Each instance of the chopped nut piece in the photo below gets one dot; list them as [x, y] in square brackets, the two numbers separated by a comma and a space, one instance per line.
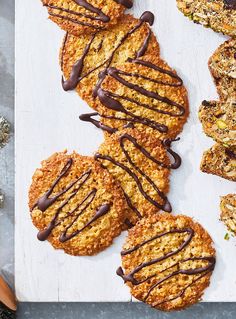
[228, 212]
[222, 125]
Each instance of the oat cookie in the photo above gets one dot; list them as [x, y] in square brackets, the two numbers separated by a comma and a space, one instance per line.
[84, 59]
[220, 15]
[228, 212]
[219, 121]
[85, 16]
[167, 261]
[146, 94]
[222, 65]
[221, 161]
[141, 165]
[76, 204]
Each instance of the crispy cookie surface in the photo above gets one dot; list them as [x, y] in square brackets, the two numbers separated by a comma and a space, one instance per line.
[146, 94]
[85, 16]
[141, 165]
[167, 261]
[219, 121]
[220, 15]
[221, 161]
[228, 212]
[222, 65]
[76, 204]
[84, 59]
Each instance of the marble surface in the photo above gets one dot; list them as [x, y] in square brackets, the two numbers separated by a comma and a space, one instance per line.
[62, 310]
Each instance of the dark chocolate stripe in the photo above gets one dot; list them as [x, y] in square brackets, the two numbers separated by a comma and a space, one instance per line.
[101, 16]
[86, 24]
[115, 73]
[161, 70]
[79, 14]
[89, 118]
[126, 3]
[190, 272]
[77, 69]
[132, 119]
[144, 46]
[230, 4]
[108, 100]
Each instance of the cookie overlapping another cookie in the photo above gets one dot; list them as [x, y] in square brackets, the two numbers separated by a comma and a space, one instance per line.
[142, 166]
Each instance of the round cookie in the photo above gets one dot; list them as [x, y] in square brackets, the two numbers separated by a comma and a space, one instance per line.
[145, 93]
[76, 204]
[219, 121]
[167, 261]
[222, 65]
[141, 164]
[84, 59]
[220, 15]
[228, 212]
[85, 16]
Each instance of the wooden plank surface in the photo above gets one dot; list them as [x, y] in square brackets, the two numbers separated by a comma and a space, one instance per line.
[47, 121]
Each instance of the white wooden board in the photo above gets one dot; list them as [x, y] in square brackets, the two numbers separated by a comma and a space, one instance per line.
[47, 121]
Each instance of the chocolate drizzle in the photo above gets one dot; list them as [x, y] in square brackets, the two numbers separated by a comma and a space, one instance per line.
[201, 271]
[46, 201]
[96, 13]
[88, 117]
[146, 17]
[144, 46]
[77, 69]
[126, 3]
[165, 205]
[73, 20]
[230, 4]
[100, 15]
[230, 153]
[110, 100]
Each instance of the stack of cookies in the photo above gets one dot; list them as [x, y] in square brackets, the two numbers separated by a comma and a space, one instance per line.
[219, 122]
[80, 204]
[218, 118]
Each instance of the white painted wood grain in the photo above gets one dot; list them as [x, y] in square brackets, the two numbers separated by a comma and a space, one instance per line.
[47, 121]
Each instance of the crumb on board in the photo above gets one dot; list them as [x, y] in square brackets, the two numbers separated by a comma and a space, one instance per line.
[1, 199]
[227, 237]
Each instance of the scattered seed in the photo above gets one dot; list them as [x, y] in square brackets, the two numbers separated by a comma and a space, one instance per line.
[4, 131]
